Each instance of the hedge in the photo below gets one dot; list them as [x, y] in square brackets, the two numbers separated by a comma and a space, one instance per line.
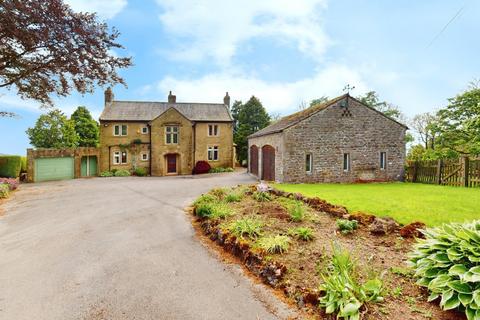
[24, 164]
[10, 166]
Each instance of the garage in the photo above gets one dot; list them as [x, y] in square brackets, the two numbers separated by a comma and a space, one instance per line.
[47, 169]
[268, 163]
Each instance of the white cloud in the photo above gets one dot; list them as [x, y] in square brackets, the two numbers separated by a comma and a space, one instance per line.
[282, 97]
[106, 9]
[216, 28]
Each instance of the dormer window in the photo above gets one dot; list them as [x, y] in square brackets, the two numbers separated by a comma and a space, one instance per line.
[213, 130]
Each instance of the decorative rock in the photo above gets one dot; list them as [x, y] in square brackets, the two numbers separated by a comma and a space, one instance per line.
[382, 226]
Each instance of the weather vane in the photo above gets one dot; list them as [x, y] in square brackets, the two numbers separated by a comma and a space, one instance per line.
[348, 88]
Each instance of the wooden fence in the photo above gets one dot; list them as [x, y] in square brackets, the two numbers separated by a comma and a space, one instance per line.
[461, 173]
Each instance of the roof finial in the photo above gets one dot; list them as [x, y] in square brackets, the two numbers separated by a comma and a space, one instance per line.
[348, 88]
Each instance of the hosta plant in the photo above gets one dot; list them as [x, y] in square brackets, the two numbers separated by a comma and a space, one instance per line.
[447, 262]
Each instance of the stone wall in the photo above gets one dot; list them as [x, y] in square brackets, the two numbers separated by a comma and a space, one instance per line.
[224, 141]
[276, 141]
[328, 134]
[76, 153]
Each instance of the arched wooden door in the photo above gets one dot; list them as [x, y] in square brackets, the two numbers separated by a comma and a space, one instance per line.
[254, 160]
[268, 163]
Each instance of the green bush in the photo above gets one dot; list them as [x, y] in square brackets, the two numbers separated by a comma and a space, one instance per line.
[122, 173]
[205, 198]
[106, 174]
[220, 170]
[140, 171]
[204, 209]
[251, 228]
[274, 244]
[23, 167]
[262, 196]
[213, 210]
[302, 233]
[347, 226]
[10, 166]
[233, 196]
[447, 262]
[297, 212]
[344, 294]
[4, 190]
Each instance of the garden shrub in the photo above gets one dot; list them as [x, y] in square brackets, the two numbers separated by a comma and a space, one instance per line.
[219, 192]
[10, 182]
[297, 212]
[205, 198]
[343, 292]
[347, 226]
[4, 191]
[302, 233]
[447, 262]
[140, 171]
[251, 228]
[114, 170]
[274, 244]
[234, 196]
[23, 167]
[10, 166]
[106, 174]
[220, 170]
[122, 173]
[262, 196]
[204, 209]
[201, 167]
[213, 210]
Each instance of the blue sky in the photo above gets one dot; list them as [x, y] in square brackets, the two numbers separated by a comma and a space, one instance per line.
[284, 52]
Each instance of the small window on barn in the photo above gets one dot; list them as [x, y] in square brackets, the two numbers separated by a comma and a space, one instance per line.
[308, 163]
[383, 160]
[346, 162]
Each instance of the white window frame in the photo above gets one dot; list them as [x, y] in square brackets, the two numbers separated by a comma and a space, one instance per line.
[171, 131]
[146, 156]
[117, 158]
[308, 163]
[144, 130]
[383, 160]
[215, 130]
[346, 162]
[120, 130]
[213, 153]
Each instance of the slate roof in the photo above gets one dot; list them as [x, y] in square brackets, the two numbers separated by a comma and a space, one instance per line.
[147, 111]
[295, 118]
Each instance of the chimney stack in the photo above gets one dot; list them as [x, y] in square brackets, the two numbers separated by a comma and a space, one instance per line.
[172, 98]
[108, 95]
[226, 100]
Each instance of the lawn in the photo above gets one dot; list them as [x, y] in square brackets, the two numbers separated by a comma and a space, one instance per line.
[405, 202]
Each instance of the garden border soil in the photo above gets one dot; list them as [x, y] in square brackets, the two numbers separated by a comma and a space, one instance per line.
[272, 272]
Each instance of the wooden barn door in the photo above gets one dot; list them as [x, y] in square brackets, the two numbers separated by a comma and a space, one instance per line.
[254, 160]
[268, 163]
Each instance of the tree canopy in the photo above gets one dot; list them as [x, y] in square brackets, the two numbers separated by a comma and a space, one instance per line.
[53, 130]
[251, 117]
[372, 100]
[85, 127]
[46, 48]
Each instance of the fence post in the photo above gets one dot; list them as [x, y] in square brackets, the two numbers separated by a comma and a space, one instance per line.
[438, 179]
[465, 164]
[415, 169]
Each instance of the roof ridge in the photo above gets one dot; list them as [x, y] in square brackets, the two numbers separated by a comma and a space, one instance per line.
[166, 102]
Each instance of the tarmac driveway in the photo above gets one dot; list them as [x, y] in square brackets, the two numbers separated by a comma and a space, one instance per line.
[119, 248]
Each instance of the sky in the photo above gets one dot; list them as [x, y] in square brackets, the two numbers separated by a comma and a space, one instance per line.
[281, 51]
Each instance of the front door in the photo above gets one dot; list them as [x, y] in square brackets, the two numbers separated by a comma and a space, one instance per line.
[171, 163]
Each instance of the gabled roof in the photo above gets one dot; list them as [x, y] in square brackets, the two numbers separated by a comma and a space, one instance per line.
[295, 118]
[147, 111]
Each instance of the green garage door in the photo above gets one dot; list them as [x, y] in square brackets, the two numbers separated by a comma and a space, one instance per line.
[53, 169]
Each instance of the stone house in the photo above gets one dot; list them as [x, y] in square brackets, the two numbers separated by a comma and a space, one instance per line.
[341, 140]
[165, 138]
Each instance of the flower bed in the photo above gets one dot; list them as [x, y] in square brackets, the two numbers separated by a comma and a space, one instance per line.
[289, 242]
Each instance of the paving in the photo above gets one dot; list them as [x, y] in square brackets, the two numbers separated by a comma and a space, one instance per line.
[119, 248]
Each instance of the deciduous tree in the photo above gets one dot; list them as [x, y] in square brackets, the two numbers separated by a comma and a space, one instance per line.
[53, 130]
[372, 100]
[85, 127]
[48, 49]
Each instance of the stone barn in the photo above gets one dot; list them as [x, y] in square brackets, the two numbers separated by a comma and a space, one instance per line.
[341, 140]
